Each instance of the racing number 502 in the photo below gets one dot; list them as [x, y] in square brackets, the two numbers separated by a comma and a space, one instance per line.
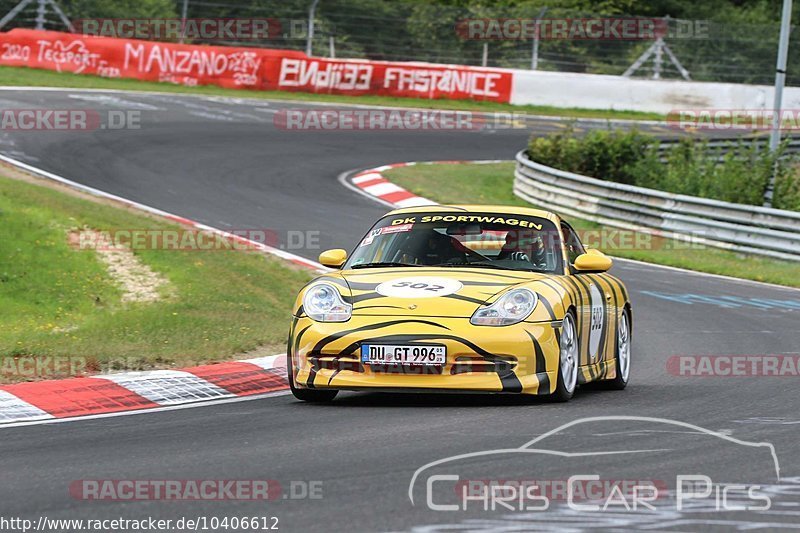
[419, 286]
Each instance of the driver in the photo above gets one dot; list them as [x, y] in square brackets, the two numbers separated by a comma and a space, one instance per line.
[524, 245]
[440, 248]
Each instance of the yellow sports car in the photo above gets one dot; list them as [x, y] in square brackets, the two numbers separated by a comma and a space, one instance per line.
[462, 298]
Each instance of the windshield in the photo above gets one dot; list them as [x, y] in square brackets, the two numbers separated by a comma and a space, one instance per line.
[479, 240]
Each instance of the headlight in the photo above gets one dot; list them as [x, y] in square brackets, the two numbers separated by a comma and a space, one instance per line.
[514, 306]
[323, 303]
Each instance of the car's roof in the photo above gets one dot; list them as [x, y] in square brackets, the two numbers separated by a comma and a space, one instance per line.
[499, 209]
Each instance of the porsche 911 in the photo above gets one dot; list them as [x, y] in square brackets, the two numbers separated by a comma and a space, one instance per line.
[488, 299]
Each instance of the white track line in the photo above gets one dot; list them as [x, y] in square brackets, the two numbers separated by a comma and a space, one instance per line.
[142, 207]
[620, 121]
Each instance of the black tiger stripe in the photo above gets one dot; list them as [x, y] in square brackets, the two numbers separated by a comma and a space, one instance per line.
[510, 382]
[339, 334]
[617, 313]
[363, 297]
[358, 286]
[554, 287]
[569, 298]
[559, 294]
[585, 285]
[312, 372]
[606, 318]
[411, 338]
[292, 327]
[578, 296]
[562, 282]
[541, 363]
[578, 301]
[500, 285]
[623, 291]
[547, 306]
[336, 281]
[299, 336]
[616, 327]
[464, 298]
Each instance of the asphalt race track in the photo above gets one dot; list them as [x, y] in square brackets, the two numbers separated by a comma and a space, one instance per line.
[224, 163]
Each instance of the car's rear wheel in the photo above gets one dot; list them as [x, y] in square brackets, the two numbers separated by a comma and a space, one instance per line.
[308, 395]
[622, 353]
[568, 360]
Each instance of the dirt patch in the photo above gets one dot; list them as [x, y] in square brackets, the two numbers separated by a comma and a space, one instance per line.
[139, 282]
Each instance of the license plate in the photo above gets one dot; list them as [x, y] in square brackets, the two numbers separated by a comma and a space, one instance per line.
[403, 354]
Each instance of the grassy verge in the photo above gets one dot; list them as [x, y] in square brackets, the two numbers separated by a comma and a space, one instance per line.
[56, 300]
[492, 184]
[27, 77]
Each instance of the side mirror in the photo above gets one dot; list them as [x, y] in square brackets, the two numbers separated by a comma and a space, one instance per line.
[593, 261]
[333, 258]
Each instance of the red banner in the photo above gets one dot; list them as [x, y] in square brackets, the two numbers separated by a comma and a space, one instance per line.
[236, 68]
[412, 80]
[247, 68]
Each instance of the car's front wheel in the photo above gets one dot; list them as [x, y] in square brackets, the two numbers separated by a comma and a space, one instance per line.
[568, 360]
[308, 395]
[623, 353]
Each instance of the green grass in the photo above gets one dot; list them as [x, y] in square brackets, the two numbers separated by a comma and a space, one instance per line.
[59, 301]
[492, 184]
[27, 77]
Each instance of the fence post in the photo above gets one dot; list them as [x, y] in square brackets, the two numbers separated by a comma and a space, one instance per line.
[310, 37]
[535, 51]
[780, 79]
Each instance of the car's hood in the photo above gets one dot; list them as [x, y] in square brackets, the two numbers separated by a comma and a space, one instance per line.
[419, 291]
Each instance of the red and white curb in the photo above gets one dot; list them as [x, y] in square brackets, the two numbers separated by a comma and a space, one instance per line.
[43, 401]
[373, 184]
[138, 391]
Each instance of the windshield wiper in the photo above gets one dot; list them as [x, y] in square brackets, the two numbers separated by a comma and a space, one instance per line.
[379, 264]
[487, 265]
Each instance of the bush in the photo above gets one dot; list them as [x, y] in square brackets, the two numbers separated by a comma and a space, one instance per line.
[610, 155]
[689, 167]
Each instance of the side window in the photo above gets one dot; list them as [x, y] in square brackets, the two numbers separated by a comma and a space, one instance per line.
[571, 243]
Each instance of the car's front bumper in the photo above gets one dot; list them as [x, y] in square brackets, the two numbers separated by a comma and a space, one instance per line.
[522, 358]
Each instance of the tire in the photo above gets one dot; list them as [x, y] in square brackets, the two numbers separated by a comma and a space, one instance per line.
[622, 353]
[308, 395]
[568, 361]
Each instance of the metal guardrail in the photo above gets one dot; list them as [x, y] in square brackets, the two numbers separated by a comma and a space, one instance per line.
[741, 228]
[726, 145]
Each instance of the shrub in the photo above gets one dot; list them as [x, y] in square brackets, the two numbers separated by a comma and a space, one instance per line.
[739, 174]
